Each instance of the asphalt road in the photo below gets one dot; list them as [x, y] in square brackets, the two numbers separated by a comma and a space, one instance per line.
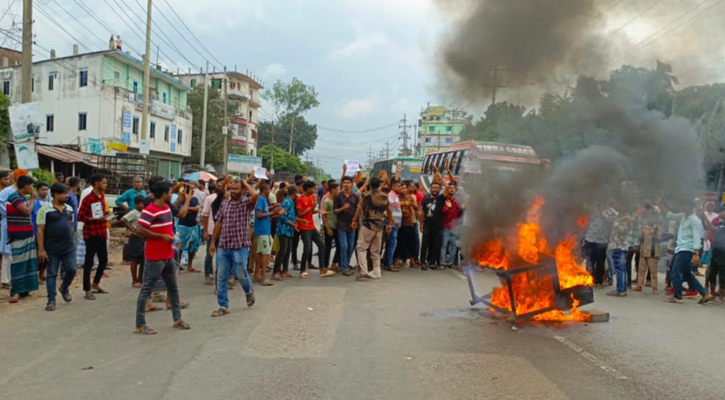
[411, 335]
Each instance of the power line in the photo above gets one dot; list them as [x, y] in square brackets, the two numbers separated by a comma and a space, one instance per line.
[79, 22]
[192, 33]
[357, 131]
[633, 19]
[44, 13]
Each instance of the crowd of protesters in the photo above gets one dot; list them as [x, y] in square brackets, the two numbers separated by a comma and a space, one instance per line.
[252, 228]
[628, 242]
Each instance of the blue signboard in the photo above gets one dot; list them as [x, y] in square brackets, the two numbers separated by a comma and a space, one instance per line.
[173, 132]
[126, 137]
[126, 118]
[173, 147]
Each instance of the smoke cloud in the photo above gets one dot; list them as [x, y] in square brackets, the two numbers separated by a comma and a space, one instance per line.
[547, 44]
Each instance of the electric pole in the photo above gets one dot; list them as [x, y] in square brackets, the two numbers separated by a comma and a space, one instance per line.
[226, 121]
[387, 149]
[203, 118]
[495, 85]
[27, 68]
[406, 152]
[370, 156]
[144, 147]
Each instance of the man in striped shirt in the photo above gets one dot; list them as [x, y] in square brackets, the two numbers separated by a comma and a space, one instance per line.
[156, 225]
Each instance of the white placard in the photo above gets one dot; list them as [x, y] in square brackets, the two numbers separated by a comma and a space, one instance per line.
[353, 166]
[97, 210]
[260, 173]
[26, 154]
[26, 121]
[143, 147]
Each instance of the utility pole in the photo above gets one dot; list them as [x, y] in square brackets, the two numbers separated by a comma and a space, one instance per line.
[271, 162]
[387, 149]
[144, 147]
[370, 156]
[226, 121]
[495, 85]
[406, 152]
[291, 134]
[27, 68]
[203, 118]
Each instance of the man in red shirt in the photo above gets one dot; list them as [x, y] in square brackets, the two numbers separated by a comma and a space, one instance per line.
[95, 234]
[451, 216]
[305, 207]
[156, 225]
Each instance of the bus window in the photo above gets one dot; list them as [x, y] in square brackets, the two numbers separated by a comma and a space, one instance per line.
[461, 157]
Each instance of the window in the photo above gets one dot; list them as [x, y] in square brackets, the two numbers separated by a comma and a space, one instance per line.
[166, 133]
[448, 140]
[49, 123]
[193, 83]
[51, 80]
[428, 140]
[449, 128]
[134, 126]
[153, 130]
[135, 87]
[6, 87]
[216, 83]
[164, 98]
[178, 135]
[431, 129]
[32, 84]
[82, 121]
[83, 78]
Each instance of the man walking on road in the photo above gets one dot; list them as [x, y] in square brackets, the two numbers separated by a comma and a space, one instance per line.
[56, 246]
[231, 231]
[95, 233]
[126, 200]
[305, 210]
[374, 208]
[689, 239]
[156, 225]
[345, 206]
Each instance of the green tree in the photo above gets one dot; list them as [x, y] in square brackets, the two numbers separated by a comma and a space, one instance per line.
[291, 101]
[283, 161]
[4, 121]
[214, 127]
[304, 139]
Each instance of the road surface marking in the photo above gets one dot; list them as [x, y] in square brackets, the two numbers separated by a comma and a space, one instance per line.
[458, 274]
[591, 357]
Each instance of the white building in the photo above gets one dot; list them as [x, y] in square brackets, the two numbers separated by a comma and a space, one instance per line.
[243, 91]
[93, 99]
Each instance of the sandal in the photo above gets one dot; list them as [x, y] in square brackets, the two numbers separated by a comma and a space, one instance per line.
[14, 299]
[153, 308]
[615, 293]
[220, 312]
[673, 300]
[182, 325]
[89, 296]
[99, 290]
[250, 299]
[183, 305]
[394, 269]
[144, 330]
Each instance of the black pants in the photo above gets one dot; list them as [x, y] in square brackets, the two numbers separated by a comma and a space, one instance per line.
[308, 237]
[597, 253]
[717, 268]
[94, 247]
[281, 262]
[328, 249]
[633, 253]
[430, 246]
[406, 243]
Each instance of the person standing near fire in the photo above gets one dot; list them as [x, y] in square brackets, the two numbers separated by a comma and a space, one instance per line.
[596, 240]
[651, 235]
[619, 244]
[431, 223]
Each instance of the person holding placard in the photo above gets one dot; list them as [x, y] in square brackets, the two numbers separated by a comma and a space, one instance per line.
[95, 234]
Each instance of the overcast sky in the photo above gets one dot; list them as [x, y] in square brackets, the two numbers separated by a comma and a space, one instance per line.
[370, 60]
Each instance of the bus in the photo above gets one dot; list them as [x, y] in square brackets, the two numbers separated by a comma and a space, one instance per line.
[471, 156]
[411, 168]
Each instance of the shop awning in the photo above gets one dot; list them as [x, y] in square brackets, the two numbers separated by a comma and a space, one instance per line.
[67, 155]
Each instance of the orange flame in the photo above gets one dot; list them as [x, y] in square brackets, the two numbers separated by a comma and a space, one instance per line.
[582, 221]
[532, 290]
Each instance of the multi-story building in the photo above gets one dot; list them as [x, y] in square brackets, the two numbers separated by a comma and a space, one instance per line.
[440, 127]
[94, 99]
[243, 92]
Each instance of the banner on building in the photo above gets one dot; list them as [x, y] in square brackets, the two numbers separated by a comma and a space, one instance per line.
[126, 118]
[242, 164]
[26, 155]
[26, 121]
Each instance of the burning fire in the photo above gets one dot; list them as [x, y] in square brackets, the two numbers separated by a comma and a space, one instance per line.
[532, 290]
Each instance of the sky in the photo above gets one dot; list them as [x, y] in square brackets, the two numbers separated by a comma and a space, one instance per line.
[371, 61]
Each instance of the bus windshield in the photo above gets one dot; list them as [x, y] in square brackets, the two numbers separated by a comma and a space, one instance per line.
[411, 167]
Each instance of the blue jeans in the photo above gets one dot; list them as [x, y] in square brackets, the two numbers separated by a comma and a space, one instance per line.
[682, 272]
[347, 247]
[610, 263]
[449, 242]
[619, 257]
[234, 262]
[390, 245]
[65, 263]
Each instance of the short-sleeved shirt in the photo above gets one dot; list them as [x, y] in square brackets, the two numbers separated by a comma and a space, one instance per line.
[329, 205]
[190, 217]
[395, 208]
[374, 206]
[129, 197]
[159, 221]
[132, 217]
[206, 211]
[344, 218]
[433, 209]
[58, 237]
[304, 203]
[451, 213]
[283, 228]
[235, 217]
[262, 226]
[19, 224]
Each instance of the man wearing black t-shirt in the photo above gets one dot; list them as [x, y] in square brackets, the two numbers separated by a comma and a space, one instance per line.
[431, 224]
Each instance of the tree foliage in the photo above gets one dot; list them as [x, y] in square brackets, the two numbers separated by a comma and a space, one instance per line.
[304, 139]
[291, 101]
[4, 120]
[214, 127]
[283, 161]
